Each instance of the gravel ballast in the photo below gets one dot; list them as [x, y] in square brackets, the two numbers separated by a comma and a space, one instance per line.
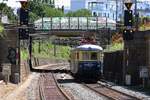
[78, 90]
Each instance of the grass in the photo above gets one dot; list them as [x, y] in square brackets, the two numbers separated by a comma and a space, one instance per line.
[47, 51]
[24, 54]
[1, 30]
[144, 27]
[114, 47]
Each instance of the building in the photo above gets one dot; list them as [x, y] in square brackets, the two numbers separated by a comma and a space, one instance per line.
[63, 3]
[102, 8]
[110, 8]
[143, 8]
[105, 8]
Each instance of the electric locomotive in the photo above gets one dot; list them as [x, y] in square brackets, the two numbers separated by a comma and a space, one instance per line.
[86, 61]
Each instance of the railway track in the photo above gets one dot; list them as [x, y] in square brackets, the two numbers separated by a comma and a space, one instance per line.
[109, 92]
[49, 88]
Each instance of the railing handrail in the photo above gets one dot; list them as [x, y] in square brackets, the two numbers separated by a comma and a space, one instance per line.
[74, 23]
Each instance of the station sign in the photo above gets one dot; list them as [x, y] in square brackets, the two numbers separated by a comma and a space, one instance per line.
[6, 69]
[128, 5]
[144, 73]
[24, 5]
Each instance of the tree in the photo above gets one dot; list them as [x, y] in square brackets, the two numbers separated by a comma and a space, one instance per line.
[2, 6]
[53, 12]
[4, 9]
[79, 13]
[38, 10]
[70, 14]
[83, 13]
[33, 17]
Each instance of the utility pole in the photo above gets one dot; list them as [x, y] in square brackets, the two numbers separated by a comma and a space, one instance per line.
[116, 11]
[136, 15]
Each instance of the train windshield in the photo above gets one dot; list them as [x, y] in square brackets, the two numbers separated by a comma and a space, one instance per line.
[89, 56]
[94, 56]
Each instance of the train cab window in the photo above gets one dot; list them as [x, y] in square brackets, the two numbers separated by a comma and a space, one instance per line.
[85, 56]
[77, 55]
[93, 56]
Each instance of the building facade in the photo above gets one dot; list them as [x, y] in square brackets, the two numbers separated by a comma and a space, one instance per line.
[112, 9]
[105, 8]
[63, 3]
[143, 8]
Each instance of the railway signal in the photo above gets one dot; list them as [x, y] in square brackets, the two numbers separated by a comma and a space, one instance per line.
[128, 18]
[128, 33]
[23, 33]
[24, 13]
[24, 19]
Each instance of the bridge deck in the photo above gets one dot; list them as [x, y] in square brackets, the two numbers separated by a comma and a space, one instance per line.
[73, 24]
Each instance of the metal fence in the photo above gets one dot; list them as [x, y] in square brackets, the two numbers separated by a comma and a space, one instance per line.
[74, 23]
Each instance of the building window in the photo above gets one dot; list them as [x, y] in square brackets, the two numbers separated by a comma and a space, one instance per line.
[113, 16]
[104, 14]
[94, 14]
[100, 14]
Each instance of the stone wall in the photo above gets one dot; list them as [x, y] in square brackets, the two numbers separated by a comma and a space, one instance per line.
[7, 43]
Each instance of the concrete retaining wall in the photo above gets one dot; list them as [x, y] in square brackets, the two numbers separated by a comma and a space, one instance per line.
[7, 43]
[137, 56]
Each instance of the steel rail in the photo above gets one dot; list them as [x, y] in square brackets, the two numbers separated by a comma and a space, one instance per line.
[98, 92]
[111, 97]
[41, 91]
[60, 89]
[135, 98]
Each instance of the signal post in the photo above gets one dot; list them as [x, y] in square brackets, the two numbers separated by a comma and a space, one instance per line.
[128, 36]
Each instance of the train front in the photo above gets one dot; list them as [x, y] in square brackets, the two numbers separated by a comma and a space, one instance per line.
[90, 63]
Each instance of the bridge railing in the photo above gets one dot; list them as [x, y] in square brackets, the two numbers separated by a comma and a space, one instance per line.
[74, 23]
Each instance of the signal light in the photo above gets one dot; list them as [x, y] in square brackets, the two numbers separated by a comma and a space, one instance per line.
[23, 33]
[128, 34]
[24, 16]
[128, 18]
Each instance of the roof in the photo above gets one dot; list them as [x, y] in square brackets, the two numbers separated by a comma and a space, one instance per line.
[89, 47]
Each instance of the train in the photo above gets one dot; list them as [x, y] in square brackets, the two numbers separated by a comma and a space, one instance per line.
[86, 62]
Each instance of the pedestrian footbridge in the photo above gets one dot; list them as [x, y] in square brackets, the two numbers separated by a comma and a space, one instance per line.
[54, 25]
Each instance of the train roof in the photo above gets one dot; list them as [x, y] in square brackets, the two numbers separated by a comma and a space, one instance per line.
[89, 47]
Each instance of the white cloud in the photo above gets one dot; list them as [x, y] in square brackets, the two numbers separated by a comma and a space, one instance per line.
[13, 3]
[65, 3]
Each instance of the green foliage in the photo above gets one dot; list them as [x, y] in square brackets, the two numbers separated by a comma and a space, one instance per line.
[52, 12]
[1, 28]
[2, 6]
[4, 9]
[79, 13]
[114, 47]
[24, 54]
[47, 50]
[9, 12]
[1, 31]
[38, 10]
[33, 17]
[70, 14]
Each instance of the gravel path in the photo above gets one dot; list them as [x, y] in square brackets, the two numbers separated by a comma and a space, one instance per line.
[31, 91]
[26, 91]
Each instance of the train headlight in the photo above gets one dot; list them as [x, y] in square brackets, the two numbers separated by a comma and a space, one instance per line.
[98, 66]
